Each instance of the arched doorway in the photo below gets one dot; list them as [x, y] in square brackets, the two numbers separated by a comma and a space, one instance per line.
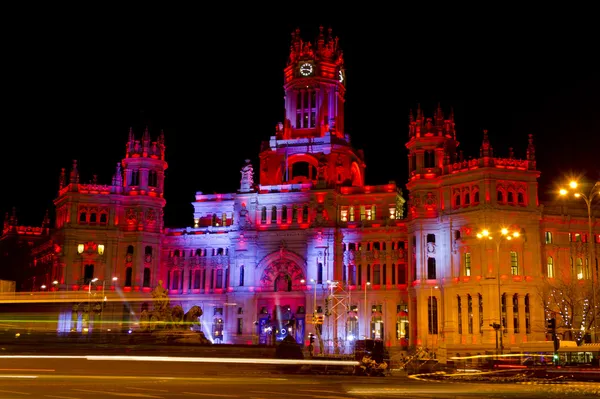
[281, 301]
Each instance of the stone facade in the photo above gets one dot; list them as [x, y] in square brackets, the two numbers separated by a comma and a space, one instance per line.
[304, 236]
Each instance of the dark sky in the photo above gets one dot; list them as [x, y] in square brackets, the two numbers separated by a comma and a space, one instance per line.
[72, 90]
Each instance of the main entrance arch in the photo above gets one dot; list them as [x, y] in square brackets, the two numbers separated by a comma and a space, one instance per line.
[281, 301]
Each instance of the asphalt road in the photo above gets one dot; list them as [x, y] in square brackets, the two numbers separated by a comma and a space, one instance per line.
[165, 378]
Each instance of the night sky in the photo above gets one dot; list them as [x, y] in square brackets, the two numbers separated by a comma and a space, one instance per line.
[72, 92]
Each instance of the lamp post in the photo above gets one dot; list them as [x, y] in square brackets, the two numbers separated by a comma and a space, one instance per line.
[55, 288]
[594, 192]
[90, 301]
[367, 326]
[114, 279]
[431, 312]
[505, 234]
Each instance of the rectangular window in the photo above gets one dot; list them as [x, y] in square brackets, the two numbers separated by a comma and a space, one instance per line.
[514, 263]
[377, 274]
[240, 326]
[467, 264]
[548, 235]
[363, 214]
[351, 213]
[470, 313]
[344, 214]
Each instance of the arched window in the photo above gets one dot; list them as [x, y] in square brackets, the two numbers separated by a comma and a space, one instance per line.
[480, 314]
[130, 250]
[467, 264]
[284, 212]
[242, 276]
[457, 200]
[579, 269]
[521, 198]
[511, 197]
[273, 215]
[516, 313]
[431, 272]
[470, 312]
[476, 197]
[467, 199]
[263, 215]
[83, 217]
[152, 179]
[550, 267]
[459, 310]
[305, 214]
[500, 196]
[527, 315]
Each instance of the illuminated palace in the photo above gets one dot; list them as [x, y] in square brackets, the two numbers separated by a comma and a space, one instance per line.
[304, 239]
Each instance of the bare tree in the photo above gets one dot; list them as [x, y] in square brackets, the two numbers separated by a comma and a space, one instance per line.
[569, 301]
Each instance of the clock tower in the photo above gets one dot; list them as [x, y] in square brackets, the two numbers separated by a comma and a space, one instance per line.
[314, 84]
[310, 147]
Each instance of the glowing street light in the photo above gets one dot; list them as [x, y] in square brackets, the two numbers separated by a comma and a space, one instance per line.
[589, 198]
[505, 234]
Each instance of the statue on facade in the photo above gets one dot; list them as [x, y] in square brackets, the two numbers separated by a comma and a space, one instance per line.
[247, 182]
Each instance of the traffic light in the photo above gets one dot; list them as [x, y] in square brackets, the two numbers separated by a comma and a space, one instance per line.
[551, 325]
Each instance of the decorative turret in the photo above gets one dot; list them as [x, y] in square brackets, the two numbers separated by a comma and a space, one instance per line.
[531, 154]
[62, 180]
[486, 149]
[46, 220]
[143, 166]
[74, 175]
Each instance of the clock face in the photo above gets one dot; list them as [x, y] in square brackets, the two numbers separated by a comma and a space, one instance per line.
[306, 69]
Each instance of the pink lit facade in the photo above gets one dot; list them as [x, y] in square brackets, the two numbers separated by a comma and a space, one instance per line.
[305, 235]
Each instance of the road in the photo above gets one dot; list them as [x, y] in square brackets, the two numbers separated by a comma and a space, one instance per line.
[81, 377]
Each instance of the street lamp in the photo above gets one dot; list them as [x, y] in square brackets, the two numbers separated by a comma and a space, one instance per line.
[431, 312]
[594, 192]
[55, 288]
[367, 326]
[505, 234]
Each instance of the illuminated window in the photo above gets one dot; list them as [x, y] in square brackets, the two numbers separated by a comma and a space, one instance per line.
[467, 264]
[80, 248]
[100, 249]
[579, 269]
[344, 214]
[362, 213]
[548, 236]
[514, 263]
[392, 211]
[550, 267]
[351, 212]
